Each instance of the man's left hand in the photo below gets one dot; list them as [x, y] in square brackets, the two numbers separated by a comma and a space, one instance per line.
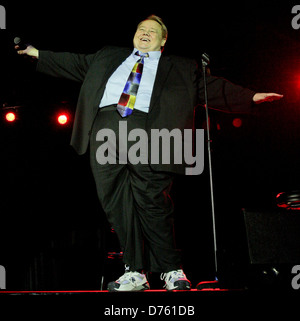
[259, 98]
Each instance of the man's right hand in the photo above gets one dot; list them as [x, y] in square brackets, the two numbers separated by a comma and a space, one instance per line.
[30, 51]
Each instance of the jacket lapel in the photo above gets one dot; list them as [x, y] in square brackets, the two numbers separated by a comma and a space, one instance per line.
[163, 70]
[114, 62]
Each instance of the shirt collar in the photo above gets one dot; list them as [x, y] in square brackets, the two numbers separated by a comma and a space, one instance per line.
[152, 54]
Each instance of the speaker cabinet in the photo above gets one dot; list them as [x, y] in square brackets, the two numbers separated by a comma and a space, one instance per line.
[273, 236]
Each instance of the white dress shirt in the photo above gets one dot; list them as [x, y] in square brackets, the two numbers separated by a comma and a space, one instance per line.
[118, 79]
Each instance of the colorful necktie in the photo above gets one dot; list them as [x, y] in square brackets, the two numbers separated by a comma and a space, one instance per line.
[128, 97]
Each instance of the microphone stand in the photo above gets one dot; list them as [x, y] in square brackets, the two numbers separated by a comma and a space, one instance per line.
[209, 284]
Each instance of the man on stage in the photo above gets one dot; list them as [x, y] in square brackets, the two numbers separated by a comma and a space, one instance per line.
[147, 90]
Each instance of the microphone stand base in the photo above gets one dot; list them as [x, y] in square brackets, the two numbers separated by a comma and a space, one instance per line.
[208, 286]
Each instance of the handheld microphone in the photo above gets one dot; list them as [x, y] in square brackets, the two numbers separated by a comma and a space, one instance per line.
[22, 45]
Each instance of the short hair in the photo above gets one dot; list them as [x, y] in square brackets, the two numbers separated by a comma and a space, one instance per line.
[164, 29]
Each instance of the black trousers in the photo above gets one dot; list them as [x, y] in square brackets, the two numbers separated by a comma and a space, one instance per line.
[136, 200]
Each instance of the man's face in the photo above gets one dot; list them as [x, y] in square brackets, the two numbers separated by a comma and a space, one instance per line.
[148, 36]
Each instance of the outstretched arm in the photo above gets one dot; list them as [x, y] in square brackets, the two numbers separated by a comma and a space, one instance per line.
[60, 64]
[226, 96]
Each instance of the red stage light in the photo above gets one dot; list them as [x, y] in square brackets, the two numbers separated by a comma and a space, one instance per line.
[237, 122]
[62, 119]
[10, 116]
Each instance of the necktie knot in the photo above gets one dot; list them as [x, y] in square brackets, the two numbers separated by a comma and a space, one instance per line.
[142, 55]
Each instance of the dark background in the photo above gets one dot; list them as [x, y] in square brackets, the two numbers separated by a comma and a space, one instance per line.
[53, 231]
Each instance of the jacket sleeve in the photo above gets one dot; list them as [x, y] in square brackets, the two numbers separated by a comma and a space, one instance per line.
[64, 64]
[224, 95]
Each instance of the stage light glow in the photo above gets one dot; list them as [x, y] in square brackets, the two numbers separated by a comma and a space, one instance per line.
[237, 122]
[10, 117]
[62, 119]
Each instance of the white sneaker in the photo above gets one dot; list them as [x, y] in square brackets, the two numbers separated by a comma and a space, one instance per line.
[175, 280]
[129, 281]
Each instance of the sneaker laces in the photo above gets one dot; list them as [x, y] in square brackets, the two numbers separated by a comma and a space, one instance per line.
[176, 274]
[129, 277]
[125, 276]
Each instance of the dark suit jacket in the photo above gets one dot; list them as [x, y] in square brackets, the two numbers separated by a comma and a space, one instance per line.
[178, 88]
